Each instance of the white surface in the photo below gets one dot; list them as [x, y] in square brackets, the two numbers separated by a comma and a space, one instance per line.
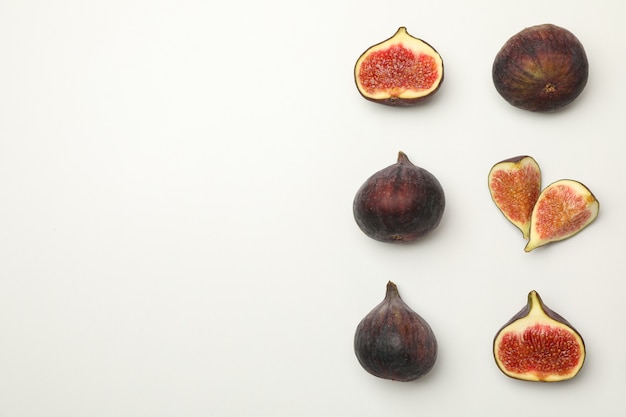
[176, 233]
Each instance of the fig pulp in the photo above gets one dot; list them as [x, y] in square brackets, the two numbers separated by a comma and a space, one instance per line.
[537, 344]
[402, 70]
[394, 342]
[542, 68]
[515, 185]
[400, 203]
[563, 209]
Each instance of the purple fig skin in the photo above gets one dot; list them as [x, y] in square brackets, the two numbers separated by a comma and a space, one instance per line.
[400, 203]
[541, 69]
[394, 342]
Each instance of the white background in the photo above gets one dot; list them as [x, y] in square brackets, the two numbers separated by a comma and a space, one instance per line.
[176, 229]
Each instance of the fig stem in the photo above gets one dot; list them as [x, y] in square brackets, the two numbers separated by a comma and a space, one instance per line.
[535, 304]
[392, 290]
[403, 158]
[533, 298]
[401, 29]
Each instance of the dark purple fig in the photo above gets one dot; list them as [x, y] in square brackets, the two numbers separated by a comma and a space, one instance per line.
[400, 203]
[542, 68]
[394, 342]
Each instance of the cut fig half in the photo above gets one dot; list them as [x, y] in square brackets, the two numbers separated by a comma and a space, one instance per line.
[538, 344]
[515, 185]
[563, 209]
[400, 71]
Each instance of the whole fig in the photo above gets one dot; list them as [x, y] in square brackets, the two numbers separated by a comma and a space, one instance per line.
[400, 203]
[542, 68]
[394, 342]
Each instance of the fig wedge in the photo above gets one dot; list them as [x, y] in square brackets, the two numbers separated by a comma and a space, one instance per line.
[538, 344]
[515, 185]
[563, 209]
[400, 71]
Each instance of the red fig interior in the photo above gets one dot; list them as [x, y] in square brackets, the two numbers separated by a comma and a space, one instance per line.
[537, 344]
[515, 185]
[563, 209]
[400, 70]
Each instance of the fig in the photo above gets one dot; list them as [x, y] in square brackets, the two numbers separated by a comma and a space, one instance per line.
[542, 68]
[400, 71]
[563, 209]
[538, 344]
[400, 203]
[394, 342]
[515, 184]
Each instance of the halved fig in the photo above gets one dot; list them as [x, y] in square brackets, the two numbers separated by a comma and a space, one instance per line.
[515, 185]
[538, 344]
[400, 71]
[563, 209]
